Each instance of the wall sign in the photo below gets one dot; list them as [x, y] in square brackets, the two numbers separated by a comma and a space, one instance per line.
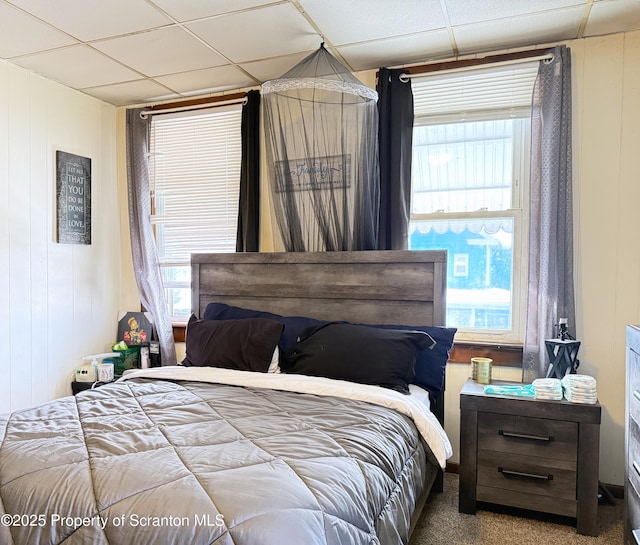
[329, 171]
[73, 190]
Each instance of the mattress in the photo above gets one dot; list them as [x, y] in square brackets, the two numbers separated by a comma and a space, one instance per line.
[206, 455]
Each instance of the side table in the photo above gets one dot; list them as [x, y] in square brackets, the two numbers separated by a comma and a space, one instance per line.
[530, 454]
[77, 387]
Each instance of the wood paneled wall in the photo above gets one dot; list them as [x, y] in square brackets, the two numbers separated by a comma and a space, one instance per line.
[58, 302]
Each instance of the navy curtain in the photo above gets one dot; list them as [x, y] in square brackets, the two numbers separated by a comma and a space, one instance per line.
[395, 109]
[248, 239]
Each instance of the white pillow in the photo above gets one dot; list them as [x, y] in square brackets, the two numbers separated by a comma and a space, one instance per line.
[419, 394]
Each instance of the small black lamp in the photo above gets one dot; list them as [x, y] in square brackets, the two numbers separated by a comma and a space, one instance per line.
[562, 352]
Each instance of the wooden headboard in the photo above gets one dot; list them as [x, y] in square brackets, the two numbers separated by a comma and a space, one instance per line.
[394, 287]
[374, 287]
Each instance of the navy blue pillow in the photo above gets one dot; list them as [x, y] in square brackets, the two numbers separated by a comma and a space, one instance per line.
[294, 326]
[431, 364]
[357, 353]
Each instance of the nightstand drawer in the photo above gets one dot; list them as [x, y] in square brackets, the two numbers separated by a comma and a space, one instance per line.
[515, 472]
[551, 439]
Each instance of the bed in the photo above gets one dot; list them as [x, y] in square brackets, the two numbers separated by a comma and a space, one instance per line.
[273, 442]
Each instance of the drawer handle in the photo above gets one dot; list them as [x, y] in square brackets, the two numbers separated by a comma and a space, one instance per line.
[509, 473]
[636, 394]
[525, 436]
[636, 536]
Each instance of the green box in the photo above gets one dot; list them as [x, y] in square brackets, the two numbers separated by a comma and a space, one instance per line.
[128, 359]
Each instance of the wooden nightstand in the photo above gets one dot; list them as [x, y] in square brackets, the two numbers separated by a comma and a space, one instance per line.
[530, 454]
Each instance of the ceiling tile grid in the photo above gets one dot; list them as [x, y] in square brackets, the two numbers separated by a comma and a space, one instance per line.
[128, 52]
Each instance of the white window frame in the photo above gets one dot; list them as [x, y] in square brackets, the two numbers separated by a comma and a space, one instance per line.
[223, 171]
[519, 211]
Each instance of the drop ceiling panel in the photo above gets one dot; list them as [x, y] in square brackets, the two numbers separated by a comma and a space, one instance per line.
[274, 68]
[462, 12]
[77, 66]
[210, 80]
[538, 29]
[188, 10]
[414, 48]
[160, 52]
[361, 20]
[21, 34]
[258, 34]
[133, 92]
[94, 19]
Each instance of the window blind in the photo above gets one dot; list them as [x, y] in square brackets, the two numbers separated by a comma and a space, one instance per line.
[195, 180]
[474, 95]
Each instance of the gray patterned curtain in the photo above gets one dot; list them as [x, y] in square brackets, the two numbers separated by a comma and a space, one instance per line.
[143, 246]
[550, 287]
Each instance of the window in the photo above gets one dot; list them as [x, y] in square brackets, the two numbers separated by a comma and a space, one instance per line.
[460, 264]
[469, 185]
[195, 179]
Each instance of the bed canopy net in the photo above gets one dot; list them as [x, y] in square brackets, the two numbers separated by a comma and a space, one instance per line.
[321, 132]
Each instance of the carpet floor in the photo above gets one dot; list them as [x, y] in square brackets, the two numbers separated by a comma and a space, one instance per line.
[441, 524]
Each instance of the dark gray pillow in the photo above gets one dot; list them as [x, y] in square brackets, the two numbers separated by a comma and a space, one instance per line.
[246, 345]
[358, 353]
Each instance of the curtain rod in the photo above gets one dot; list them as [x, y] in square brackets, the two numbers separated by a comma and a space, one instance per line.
[194, 104]
[406, 77]
[482, 62]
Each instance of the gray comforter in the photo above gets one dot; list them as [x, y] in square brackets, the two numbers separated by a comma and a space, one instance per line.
[159, 462]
